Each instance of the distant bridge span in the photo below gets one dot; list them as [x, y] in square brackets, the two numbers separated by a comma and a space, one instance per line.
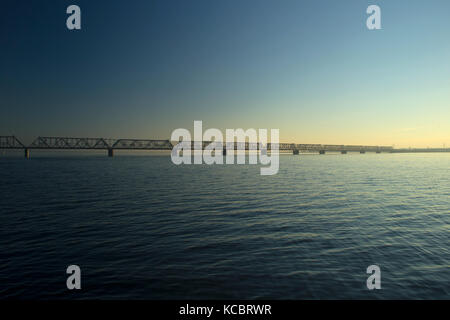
[70, 143]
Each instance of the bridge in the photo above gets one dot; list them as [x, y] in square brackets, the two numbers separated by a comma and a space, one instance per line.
[70, 143]
[421, 150]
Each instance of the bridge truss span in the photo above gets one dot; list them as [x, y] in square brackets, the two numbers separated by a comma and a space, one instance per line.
[10, 142]
[70, 143]
[136, 144]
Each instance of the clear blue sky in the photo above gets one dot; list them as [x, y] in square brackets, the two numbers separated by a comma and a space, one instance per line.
[140, 69]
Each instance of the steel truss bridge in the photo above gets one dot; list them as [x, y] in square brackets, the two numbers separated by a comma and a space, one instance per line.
[70, 143]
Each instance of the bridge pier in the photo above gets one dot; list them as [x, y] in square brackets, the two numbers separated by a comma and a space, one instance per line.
[343, 152]
[322, 152]
[295, 152]
[27, 153]
[110, 152]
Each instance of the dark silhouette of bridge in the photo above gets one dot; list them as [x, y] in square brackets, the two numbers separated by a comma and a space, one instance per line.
[70, 143]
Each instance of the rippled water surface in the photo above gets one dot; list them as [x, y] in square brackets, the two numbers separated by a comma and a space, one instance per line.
[142, 228]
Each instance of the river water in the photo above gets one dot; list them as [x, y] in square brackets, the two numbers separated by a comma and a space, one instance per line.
[140, 227]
